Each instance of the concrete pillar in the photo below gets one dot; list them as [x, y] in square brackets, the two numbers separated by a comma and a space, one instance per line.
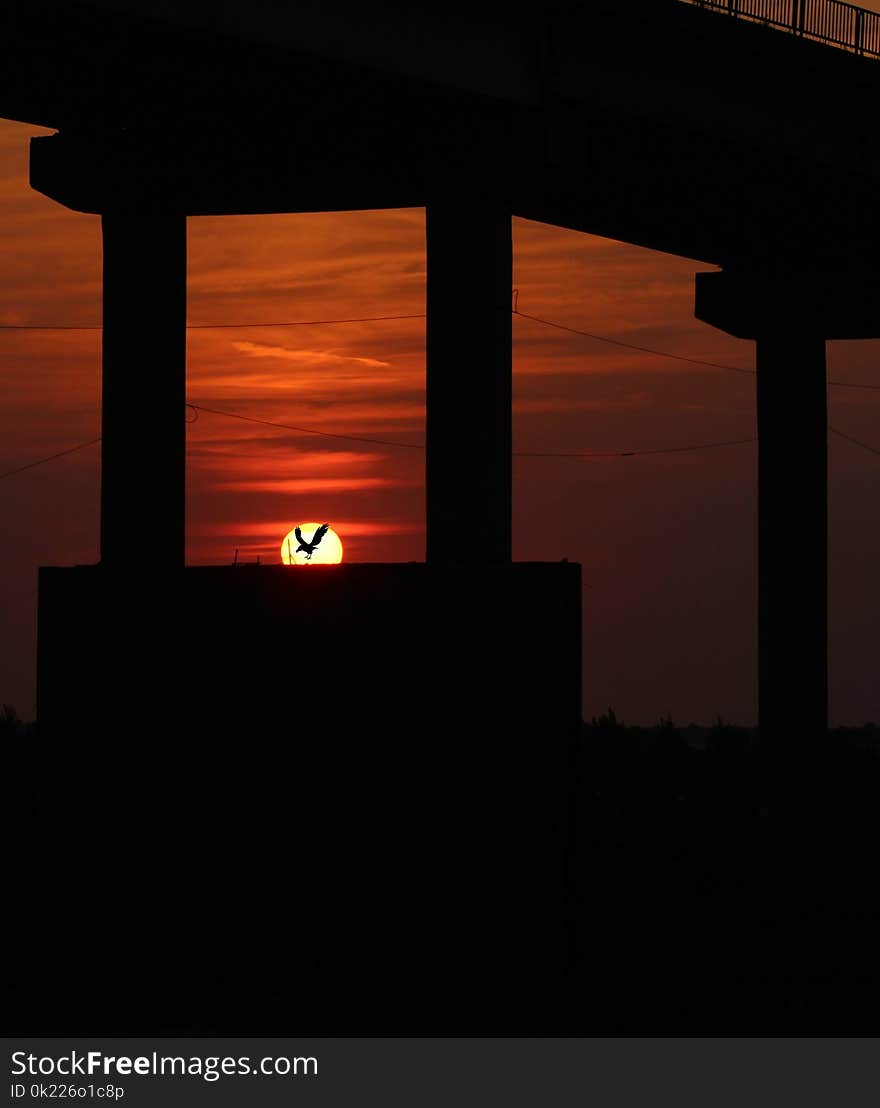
[144, 387]
[789, 314]
[469, 438]
[792, 537]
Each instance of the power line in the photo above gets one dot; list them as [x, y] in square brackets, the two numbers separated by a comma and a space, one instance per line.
[423, 315]
[632, 453]
[856, 442]
[630, 345]
[389, 443]
[667, 354]
[418, 446]
[215, 326]
[516, 453]
[852, 385]
[304, 430]
[305, 322]
[51, 458]
[49, 327]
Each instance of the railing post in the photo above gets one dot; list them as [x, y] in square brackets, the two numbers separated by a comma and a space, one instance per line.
[836, 22]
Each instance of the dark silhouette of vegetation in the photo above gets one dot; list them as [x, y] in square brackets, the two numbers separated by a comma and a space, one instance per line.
[9, 722]
[609, 745]
[705, 896]
[608, 722]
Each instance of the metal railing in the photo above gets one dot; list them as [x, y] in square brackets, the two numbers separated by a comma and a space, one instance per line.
[829, 21]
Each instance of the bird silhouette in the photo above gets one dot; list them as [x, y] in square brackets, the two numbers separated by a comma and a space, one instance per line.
[309, 547]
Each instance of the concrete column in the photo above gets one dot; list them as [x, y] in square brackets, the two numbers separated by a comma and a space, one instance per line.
[468, 464]
[793, 537]
[144, 387]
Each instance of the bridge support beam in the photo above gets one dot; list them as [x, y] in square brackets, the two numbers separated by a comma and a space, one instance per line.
[792, 493]
[144, 388]
[790, 313]
[469, 438]
[792, 538]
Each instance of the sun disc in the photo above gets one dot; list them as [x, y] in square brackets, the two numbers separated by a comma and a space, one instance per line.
[328, 550]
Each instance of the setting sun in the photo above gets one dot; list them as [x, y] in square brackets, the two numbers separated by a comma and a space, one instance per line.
[311, 544]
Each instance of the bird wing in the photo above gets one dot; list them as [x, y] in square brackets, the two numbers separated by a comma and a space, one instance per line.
[320, 533]
[299, 536]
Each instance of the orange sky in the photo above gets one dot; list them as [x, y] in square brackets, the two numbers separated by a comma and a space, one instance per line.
[667, 543]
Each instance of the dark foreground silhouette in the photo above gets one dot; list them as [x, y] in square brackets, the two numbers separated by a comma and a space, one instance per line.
[710, 889]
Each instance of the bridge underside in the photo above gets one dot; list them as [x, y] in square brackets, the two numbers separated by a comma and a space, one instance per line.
[658, 124]
[681, 192]
[653, 122]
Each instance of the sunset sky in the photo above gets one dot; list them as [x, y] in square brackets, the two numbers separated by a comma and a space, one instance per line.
[668, 542]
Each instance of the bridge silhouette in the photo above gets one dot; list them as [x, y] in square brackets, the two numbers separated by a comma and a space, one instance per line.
[656, 122]
[827, 21]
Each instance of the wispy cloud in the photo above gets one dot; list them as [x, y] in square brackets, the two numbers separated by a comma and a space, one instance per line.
[225, 458]
[305, 357]
[314, 484]
[270, 529]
